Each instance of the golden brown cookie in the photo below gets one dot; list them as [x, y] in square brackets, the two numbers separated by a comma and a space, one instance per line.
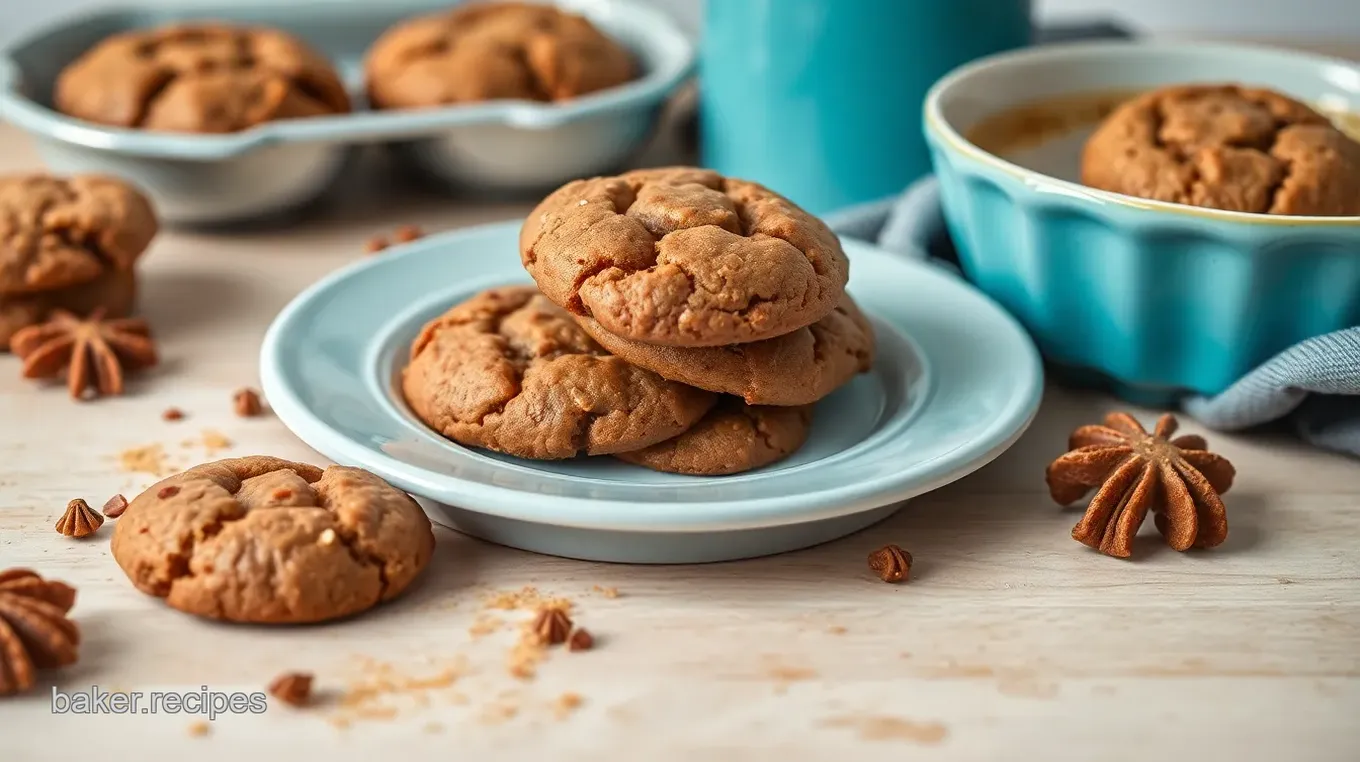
[491, 51]
[683, 257]
[115, 291]
[733, 437]
[266, 540]
[797, 368]
[201, 77]
[57, 232]
[1226, 147]
[509, 371]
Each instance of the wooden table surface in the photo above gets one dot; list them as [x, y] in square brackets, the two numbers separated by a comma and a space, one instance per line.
[1011, 639]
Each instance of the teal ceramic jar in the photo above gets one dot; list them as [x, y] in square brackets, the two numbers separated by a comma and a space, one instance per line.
[821, 99]
[1156, 299]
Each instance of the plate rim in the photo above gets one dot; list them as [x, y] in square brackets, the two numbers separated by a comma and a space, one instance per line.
[604, 513]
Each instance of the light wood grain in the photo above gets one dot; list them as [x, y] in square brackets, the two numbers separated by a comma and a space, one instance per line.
[1010, 641]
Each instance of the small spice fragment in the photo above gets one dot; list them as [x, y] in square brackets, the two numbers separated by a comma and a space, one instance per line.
[375, 244]
[552, 626]
[890, 563]
[35, 631]
[167, 492]
[408, 233]
[96, 354]
[294, 688]
[581, 640]
[172, 414]
[115, 506]
[247, 403]
[79, 520]
[1178, 479]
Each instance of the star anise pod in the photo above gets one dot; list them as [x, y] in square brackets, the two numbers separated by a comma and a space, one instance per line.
[96, 353]
[1178, 479]
[79, 520]
[35, 632]
[552, 626]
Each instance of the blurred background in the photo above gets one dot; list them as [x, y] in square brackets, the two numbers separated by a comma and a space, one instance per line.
[1319, 22]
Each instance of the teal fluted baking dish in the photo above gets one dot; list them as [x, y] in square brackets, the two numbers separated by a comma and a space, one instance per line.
[1157, 299]
[500, 146]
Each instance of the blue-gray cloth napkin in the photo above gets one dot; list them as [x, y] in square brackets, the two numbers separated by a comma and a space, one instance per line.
[1312, 387]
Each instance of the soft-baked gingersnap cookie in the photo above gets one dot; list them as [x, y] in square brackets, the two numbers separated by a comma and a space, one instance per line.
[1226, 147]
[115, 291]
[509, 371]
[733, 437]
[490, 51]
[200, 77]
[266, 540]
[797, 368]
[683, 257]
[57, 232]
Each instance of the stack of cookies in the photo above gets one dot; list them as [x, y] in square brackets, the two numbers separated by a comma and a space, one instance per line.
[683, 321]
[68, 244]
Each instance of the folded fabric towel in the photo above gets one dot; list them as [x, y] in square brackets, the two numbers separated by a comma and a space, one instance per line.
[1313, 387]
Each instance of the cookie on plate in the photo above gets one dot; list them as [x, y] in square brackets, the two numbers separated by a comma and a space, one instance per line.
[1226, 147]
[57, 232]
[509, 371]
[797, 368]
[115, 292]
[493, 51]
[266, 540]
[199, 77]
[683, 257]
[733, 437]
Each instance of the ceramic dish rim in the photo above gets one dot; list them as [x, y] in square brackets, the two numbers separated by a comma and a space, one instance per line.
[674, 64]
[936, 123]
[621, 514]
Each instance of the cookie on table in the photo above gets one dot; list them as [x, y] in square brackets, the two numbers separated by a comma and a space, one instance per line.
[115, 291]
[1226, 147]
[683, 257]
[265, 540]
[199, 77]
[490, 51]
[733, 437]
[57, 232]
[509, 371]
[797, 368]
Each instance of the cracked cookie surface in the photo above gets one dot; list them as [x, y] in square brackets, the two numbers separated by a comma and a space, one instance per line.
[115, 292]
[683, 257]
[265, 540]
[733, 437]
[1226, 147]
[797, 368]
[509, 371]
[204, 78]
[491, 51]
[62, 231]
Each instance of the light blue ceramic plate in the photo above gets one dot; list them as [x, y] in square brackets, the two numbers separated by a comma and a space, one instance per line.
[956, 383]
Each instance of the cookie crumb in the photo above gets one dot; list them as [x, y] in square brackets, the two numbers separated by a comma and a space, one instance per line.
[566, 704]
[214, 441]
[199, 728]
[581, 640]
[552, 626]
[115, 506]
[527, 597]
[484, 625]
[246, 402]
[293, 688]
[148, 459]
[608, 592]
[408, 233]
[172, 414]
[433, 727]
[375, 244]
[327, 537]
